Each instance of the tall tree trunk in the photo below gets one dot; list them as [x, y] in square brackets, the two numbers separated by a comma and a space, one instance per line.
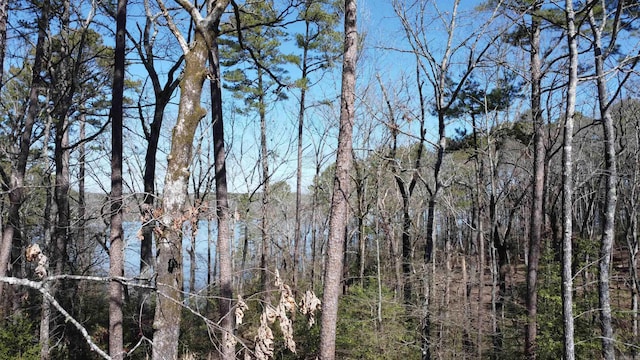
[632, 244]
[314, 227]
[339, 201]
[45, 312]
[567, 188]
[82, 198]
[11, 228]
[169, 278]
[611, 177]
[169, 242]
[222, 208]
[116, 250]
[479, 228]
[4, 15]
[266, 189]
[297, 236]
[537, 217]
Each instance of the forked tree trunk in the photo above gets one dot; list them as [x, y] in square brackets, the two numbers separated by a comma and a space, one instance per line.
[169, 242]
[166, 322]
[152, 135]
[341, 183]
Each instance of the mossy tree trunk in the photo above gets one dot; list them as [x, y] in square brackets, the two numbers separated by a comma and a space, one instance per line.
[169, 260]
[169, 257]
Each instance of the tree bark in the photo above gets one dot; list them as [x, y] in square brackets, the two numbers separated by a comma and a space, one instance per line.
[169, 242]
[169, 258]
[537, 217]
[116, 250]
[222, 208]
[567, 188]
[266, 189]
[4, 15]
[341, 189]
[297, 236]
[609, 210]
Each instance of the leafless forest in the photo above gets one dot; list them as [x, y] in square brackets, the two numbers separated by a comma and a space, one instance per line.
[319, 179]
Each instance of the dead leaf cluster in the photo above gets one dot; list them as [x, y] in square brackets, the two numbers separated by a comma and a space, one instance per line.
[33, 253]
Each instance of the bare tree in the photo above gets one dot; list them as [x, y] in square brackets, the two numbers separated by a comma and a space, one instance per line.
[341, 188]
[567, 186]
[611, 175]
[162, 92]
[537, 217]
[438, 72]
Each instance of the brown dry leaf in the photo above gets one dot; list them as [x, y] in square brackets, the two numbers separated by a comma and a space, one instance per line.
[309, 305]
[287, 299]
[286, 327]
[32, 252]
[264, 339]
[270, 313]
[240, 309]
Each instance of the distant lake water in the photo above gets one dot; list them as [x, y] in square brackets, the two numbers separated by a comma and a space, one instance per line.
[205, 232]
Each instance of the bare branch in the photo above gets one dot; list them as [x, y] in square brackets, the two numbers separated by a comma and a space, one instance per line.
[43, 289]
[172, 25]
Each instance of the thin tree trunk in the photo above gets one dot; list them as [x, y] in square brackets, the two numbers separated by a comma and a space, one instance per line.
[567, 188]
[194, 214]
[45, 317]
[4, 15]
[61, 194]
[116, 250]
[297, 237]
[537, 218]
[609, 210]
[222, 208]
[266, 190]
[479, 230]
[152, 134]
[632, 243]
[341, 189]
